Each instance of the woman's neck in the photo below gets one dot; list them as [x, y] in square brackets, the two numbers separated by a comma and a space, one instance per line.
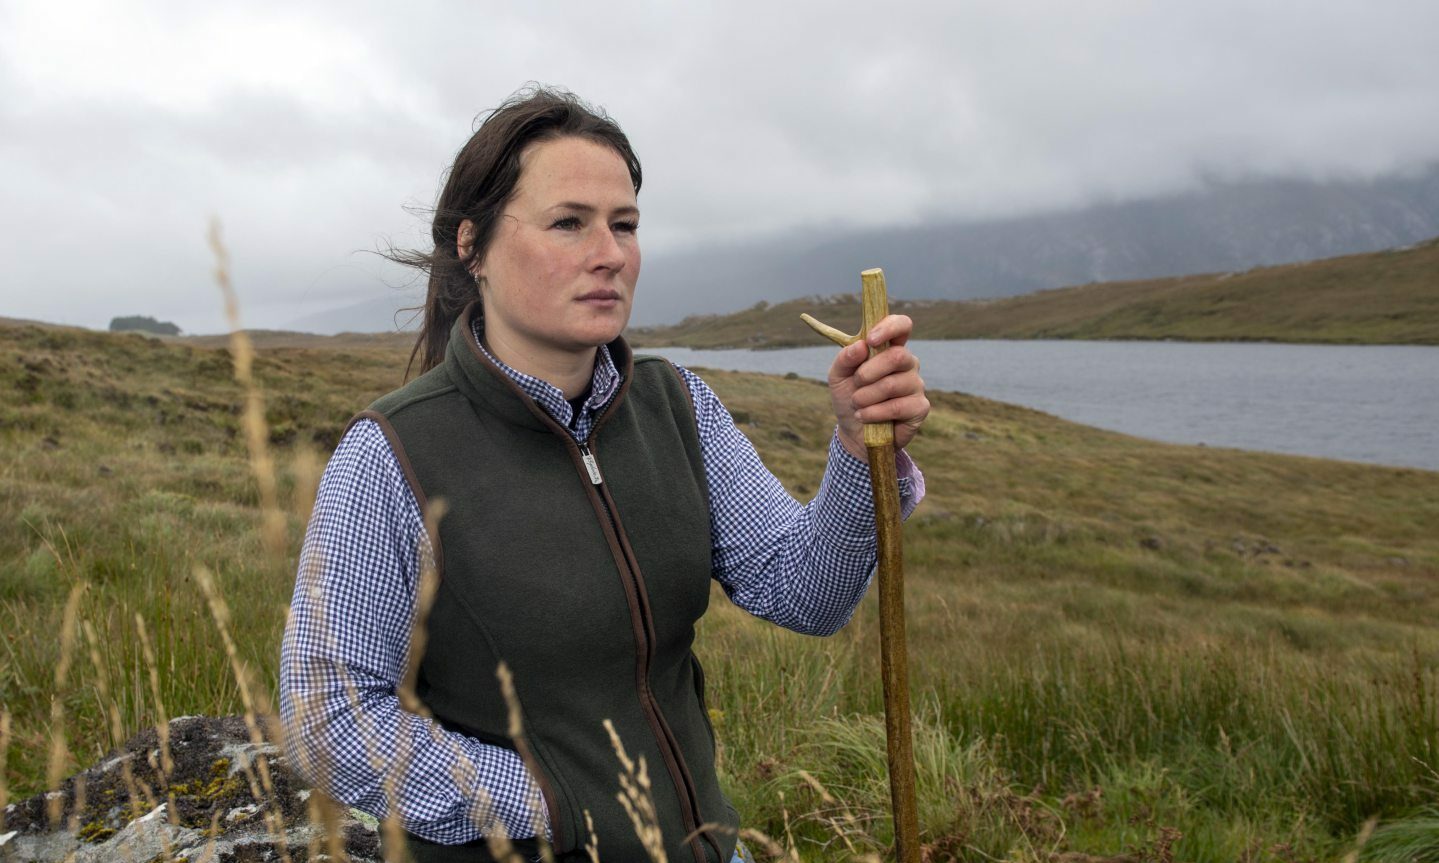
[571, 373]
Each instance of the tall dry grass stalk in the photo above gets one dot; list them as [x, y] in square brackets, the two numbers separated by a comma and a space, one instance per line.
[255, 713]
[391, 827]
[165, 763]
[1365, 833]
[59, 758]
[4, 757]
[636, 798]
[592, 842]
[162, 720]
[306, 467]
[73, 822]
[836, 815]
[330, 840]
[767, 845]
[257, 437]
[117, 738]
[516, 731]
[102, 684]
[419, 627]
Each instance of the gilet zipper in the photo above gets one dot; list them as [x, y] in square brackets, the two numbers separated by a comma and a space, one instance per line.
[665, 737]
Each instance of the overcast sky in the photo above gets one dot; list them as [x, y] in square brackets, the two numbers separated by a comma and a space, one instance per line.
[309, 129]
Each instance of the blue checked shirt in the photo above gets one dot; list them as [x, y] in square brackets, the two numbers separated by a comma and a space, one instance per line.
[346, 648]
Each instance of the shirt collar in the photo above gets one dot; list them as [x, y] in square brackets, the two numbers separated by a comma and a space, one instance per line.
[603, 385]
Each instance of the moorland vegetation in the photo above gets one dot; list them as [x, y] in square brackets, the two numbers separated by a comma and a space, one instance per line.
[1119, 647]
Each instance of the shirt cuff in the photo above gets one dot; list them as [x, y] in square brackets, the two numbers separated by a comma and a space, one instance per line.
[856, 472]
[495, 787]
[911, 483]
[845, 502]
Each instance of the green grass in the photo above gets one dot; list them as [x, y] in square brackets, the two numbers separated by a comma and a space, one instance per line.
[1387, 297]
[1117, 646]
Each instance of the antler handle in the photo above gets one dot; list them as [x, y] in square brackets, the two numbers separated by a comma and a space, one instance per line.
[840, 338]
[874, 302]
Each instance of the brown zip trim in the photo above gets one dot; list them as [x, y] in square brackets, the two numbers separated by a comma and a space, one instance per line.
[687, 783]
[641, 618]
[684, 387]
[403, 458]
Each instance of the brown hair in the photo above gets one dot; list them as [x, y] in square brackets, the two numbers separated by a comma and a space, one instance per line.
[480, 183]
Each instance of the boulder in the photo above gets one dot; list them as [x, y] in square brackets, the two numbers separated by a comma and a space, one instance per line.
[214, 805]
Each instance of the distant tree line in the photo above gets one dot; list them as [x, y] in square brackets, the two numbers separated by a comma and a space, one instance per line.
[143, 324]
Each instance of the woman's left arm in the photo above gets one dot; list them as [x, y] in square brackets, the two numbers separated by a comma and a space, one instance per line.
[804, 567]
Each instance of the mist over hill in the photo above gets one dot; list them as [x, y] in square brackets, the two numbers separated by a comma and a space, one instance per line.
[1227, 226]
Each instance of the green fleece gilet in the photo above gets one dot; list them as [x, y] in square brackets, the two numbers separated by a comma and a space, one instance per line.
[587, 592]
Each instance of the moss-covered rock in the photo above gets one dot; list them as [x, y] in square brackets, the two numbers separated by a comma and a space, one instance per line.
[214, 802]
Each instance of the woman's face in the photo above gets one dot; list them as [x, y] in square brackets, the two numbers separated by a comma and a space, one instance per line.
[559, 275]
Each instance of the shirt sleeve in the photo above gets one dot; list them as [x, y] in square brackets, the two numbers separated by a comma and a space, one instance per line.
[345, 651]
[802, 566]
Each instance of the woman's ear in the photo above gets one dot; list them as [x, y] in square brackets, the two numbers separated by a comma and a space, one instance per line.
[465, 242]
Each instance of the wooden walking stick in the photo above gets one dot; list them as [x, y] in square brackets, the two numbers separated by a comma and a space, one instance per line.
[894, 665]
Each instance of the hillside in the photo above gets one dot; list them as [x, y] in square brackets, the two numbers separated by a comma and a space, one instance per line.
[1389, 297]
[267, 339]
[1120, 647]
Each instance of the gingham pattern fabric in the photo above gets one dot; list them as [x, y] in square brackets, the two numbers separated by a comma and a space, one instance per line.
[346, 648]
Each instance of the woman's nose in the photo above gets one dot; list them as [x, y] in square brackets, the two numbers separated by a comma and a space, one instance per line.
[607, 252]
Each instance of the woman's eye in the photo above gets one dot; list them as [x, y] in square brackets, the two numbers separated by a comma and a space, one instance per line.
[568, 223]
[626, 227]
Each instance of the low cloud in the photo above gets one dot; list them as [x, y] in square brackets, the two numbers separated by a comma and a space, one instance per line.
[309, 132]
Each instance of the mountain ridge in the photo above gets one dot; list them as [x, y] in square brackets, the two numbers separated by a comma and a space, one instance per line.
[1387, 297]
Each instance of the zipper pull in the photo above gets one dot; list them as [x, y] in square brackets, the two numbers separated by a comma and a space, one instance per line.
[591, 465]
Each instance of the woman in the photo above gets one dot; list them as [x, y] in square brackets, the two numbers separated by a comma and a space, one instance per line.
[589, 497]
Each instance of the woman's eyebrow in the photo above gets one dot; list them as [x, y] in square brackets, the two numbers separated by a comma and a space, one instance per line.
[627, 210]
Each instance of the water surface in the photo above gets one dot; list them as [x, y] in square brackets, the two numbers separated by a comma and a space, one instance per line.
[1370, 403]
